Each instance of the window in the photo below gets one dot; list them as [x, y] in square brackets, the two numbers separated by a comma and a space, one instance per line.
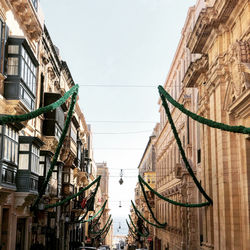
[35, 4]
[35, 159]
[73, 133]
[29, 154]
[21, 72]
[28, 71]
[9, 141]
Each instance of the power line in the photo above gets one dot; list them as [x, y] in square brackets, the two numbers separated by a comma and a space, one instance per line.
[118, 86]
[118, 148]
[122, 133]
[121, 122]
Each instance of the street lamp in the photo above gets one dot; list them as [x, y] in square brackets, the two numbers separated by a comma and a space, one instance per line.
[121, 175]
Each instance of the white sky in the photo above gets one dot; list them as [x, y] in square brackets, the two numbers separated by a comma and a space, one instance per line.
[118, 42]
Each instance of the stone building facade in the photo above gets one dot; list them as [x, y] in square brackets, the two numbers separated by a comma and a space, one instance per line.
[102, 169]
[221, 36]
[33, 75]
[209, 75]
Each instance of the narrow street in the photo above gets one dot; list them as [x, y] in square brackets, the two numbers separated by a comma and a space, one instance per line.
[124, 125]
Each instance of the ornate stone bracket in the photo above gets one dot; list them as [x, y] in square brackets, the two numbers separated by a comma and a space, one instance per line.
[3, 197]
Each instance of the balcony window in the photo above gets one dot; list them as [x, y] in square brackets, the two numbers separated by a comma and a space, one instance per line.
[73, 133]
[28, 71]
[54, 121]
[21, 72]
[9, 142]
[29, 153]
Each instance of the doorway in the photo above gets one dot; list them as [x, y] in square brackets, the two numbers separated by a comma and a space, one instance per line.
[20, 233]
[5, 229]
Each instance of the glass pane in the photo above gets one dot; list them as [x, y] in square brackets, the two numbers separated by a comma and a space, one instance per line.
[24, 147]
[41, 169]
[13, 152]
[42, 158]
[1, 129]
[24, 161]
[16, 153]
[12, 66]
[6, 148]
[6, 130]
[13, 49]
[66, 178]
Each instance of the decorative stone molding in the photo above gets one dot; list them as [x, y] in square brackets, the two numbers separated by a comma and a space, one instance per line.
[209, 19]
[50, 144]
[24, 200]
[28, 18]
[195, 70]
[3, 197]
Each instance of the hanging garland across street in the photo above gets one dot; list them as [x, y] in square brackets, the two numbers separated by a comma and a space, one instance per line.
[103, 229]
[139, 214]
[203, 120]
[150, 209]
[178, 141]
[107, 231]
[140, 233]
[132, 231]
[101, 210]
[141, 181]
[75, 195]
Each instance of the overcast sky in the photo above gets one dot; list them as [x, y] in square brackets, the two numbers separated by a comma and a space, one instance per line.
[118, 42]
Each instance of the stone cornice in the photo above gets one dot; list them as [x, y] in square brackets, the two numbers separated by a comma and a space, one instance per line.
[209, 19]
[194, 71]
[28, 18]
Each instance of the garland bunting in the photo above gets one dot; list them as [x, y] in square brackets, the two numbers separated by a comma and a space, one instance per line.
[106, 230]
[103, 208]
[33, 114]
[203, 120]
[75, 195]
[132, 231]
[104, 227]
[60, 143]
[178, 141]
[141, 181]
[150, 209]
[141, 234]
[138, 213]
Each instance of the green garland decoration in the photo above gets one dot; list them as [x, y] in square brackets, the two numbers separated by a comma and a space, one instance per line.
[59, 146]
[138, 213]
[150, 209]
[178, 141]
[92, 200]
[74, 195]
[141, 234]
[106, 230]
[200, 119]
[94, 216]
[103, 229]
[141, 181]
[132, 231]
[103, 208]
[105, 234]
[20, 118]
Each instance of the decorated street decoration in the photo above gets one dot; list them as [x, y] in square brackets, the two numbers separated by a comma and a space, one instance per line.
[133, 233]
[141, 227]
[139, 214]
[235, 129]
